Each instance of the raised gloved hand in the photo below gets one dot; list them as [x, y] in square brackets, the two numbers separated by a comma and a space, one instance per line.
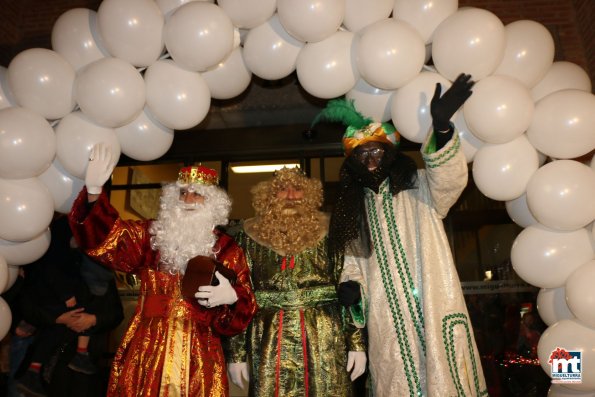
[444, 107]
[100, 167]
[357, 361]
[237, 371]
[349, 293]
[215, 295]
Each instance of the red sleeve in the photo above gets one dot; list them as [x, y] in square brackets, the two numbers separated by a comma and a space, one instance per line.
[91, 225]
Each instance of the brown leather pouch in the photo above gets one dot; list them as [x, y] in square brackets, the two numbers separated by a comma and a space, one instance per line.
[201, 271]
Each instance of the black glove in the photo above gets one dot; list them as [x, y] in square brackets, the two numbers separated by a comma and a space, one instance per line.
[349, 293]
[443, 108]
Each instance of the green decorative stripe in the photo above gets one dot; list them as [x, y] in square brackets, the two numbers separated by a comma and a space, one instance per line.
[393, 302]
[449, 323]
[436, 161]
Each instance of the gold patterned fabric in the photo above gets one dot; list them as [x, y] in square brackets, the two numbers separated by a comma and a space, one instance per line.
[297, 343]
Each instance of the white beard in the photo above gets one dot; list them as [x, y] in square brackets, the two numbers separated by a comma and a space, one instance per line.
[180, 233]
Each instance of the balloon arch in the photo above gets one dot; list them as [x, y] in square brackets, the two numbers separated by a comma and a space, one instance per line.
[133, 71]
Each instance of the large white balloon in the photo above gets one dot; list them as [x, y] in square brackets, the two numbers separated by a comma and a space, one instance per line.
[5, 318]
[551, 305]
[389, 54]
[570, 335]
[247, 14]
[167, 7]
[562, 75]
[3, 274]
[110, 91]
[198, 35]
[372, 102]
[580, 294]
[469, 142]
[361, 13]
[230, 78]
[178, 98]
[470, 41]
[42, 81]
[323, 18]
[23, 253]
[529, 52]
[75, 37]
[145, 138]
[27, 143]
[75, 136]
[545, 258]
[560, 195]
[325, 69]
[26, 208]
[270, 52]
[519, 212]
[424, 15]
[563, 124]
[558, 390]
[63, 186]
[499, 110]
[132, 30]
[410, 106]
[6, 97]
[502, 171]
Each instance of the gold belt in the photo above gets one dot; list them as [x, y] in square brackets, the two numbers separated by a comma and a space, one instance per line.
[297, 298]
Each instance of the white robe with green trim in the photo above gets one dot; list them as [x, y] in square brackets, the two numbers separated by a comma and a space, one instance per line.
[420, 338]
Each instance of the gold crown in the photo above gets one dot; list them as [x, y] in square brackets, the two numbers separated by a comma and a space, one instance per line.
[198, 175]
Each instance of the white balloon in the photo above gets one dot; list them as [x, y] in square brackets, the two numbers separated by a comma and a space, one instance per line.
[247, 14]
[110, 91]
[6, 96]
[26, 208]
[563, 124]
[469, 142]
[270, 52]
[470, 41]
[580, 294]
[230, 78]
[178, 98]
[168, 7]
[502, 171]
[325, 69]
[558, 390]
[551, 305]
[5, 318]
[361, 13]
[75, 137]
[3, 274]
[145, 139]
[198, 36]
[75, 37]
[410, 106]
[372, 102]
[23, 253]
[560, 195]
[63, 186]
[13, 274]
[500, 109]
[27, 143]
[389, 54]
[42, 81]
[424, 15]
[562, 75]
[323, 18]
[132, 30]
[529, 52]
[519, 212]
[570, 335]
[545, 258]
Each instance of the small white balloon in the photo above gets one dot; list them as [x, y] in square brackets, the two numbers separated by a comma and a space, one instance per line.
[168, 7]
[270, 52]
[469, 41]
[145, 139]
[26, 208]
[361, 13]
[558, 390]
[551, 305]
[324, 18]
[424, 15]
[229, 78]
[247, 14]
[469, 142]
[519, 212]
[27, 143]
[580, 294]
[23, 253]
[13, 274]
[63, 186]
[389, 54]
[3, 274]
[6, 96]
[42, 80]
[5, 318]
[372, 102]
[560, 195]
[562, 75]
[132, 30]
[75, 137]
[178, 98]
[325, 68]
[546, 258]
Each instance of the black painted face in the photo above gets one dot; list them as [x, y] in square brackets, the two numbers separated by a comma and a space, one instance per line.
[369, 154]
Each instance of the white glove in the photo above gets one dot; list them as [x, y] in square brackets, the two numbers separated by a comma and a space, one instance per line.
[357, 361]
[100, 167]
[215, 295]
[237, 371]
